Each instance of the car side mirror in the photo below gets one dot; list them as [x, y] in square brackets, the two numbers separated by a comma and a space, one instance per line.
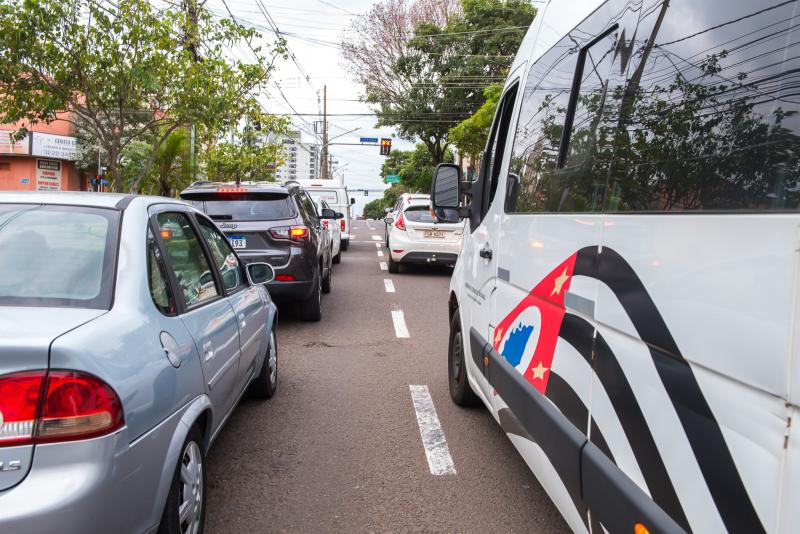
[352, 201]
[338, 215]
[260, 273]
[388, 220]
[327, 213]
[447, 188]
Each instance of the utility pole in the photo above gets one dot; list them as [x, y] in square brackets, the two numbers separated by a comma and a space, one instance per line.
[190, 44]
[325, 132]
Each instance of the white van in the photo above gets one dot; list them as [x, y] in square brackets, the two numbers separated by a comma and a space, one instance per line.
[335, 194]
[627, 299]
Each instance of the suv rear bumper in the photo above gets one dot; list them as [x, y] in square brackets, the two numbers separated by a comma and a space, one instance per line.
[298, 266]
[290, 291]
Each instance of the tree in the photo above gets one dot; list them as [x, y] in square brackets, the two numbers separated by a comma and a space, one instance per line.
[123, 72]
[470, 135]
[250, 158]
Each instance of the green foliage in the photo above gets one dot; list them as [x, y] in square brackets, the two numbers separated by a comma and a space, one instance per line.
[130, 72]
[447, 68]
[374, 209]
[470, 135]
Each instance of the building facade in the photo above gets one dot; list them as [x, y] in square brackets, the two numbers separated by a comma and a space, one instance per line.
[301, 160]
[43, 160]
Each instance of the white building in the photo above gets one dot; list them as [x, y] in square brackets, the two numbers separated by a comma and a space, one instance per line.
[300, 159]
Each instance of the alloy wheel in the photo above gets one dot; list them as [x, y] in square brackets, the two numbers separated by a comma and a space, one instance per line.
[191, 497]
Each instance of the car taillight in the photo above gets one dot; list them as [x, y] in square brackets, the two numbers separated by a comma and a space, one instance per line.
[325, 223]
[292, 233]
[43, 407]
[400, 224]
[341, 222]
[232, 190]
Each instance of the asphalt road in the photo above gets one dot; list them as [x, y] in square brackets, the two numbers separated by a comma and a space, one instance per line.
[338, 449]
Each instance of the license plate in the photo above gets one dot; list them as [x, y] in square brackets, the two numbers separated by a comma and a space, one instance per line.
[434, 233]
[238, 242]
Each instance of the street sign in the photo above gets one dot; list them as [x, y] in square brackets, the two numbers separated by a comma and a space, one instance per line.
[369, 139]
[392, 179]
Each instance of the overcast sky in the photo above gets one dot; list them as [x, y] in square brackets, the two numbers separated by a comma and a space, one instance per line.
[313, 29]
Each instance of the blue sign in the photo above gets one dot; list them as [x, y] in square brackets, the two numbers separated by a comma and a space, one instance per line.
[25, 181]
[369, 139]
[103, 181]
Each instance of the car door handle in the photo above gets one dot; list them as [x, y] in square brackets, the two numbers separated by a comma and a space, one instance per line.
[486, 252]
[208, 351]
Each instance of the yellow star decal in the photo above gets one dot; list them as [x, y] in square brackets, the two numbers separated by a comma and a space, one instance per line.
[559, 283]
[539, 371]
[498, 336]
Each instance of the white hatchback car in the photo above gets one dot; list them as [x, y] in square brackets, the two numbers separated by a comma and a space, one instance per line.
[414, 235]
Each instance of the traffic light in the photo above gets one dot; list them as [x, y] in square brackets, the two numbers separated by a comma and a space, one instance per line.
[386, 147]
[366, 193]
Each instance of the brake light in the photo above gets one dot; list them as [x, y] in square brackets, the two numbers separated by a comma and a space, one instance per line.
[232, 190]
[291, 233]
[42, 407]
[400, 224]
[284, 278]
[325, 223]
[341, 222]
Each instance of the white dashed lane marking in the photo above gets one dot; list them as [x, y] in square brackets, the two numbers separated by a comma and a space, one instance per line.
[399, 320]
[436, 450]
[377, 237]
[377, 245]
[380, 253]
[389, 285]
[384, 267]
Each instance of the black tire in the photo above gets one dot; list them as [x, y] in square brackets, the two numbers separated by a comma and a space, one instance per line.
[265, 383]
[170, 520]
[326, 281]
[460, 390]
[394, 266]
[345, 244]
[311, 308]
[338, 258]
[386, 242]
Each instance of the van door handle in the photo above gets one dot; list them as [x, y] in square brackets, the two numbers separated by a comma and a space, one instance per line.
[486, 252]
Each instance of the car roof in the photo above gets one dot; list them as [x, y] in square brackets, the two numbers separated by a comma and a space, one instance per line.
[68, 198]
[256, 187]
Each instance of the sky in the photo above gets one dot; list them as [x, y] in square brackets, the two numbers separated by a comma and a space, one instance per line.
[313, 30]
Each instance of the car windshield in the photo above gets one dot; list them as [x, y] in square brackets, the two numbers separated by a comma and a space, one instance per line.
[331, 196]
[419, 214]
[57, 255]
[243, 206]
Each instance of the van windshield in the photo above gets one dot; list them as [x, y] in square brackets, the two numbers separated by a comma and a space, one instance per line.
[244, 206]
[331, 196]
[59, 256]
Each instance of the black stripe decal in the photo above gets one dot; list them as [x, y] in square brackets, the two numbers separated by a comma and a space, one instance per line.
[568, 402]
[630, 416]
[701, 427]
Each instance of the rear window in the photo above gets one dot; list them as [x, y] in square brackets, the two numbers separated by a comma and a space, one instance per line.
[419, 214]
[243, 206]
[59, 256]
[328, 195]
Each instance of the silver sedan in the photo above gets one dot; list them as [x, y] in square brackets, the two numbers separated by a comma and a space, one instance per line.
[129, 330]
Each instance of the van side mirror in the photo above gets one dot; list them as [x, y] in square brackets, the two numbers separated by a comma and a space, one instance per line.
[446, 190]
[260, 273]
[327, 213]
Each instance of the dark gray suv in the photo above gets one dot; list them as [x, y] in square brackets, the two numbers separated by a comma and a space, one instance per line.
[267, 222]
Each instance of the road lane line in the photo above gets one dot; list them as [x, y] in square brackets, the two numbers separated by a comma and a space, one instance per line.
[384, 267]
[439, 460]
[399, 320]
[380, 253]
[377, 237]
[377, 245]
[389, 285]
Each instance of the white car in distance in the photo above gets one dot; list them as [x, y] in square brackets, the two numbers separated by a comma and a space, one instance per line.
[415, 237]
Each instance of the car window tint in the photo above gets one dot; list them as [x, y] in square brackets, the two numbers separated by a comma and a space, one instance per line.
[309, 206]
[186, 257]
[709, 115]
[224, 257]
[57, 255]
[160, 290]
[420, 214]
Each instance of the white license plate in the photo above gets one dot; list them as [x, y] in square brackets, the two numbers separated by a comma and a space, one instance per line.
[434, 233]
[238, 242]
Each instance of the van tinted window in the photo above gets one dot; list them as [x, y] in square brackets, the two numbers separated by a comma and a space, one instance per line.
[709, 118]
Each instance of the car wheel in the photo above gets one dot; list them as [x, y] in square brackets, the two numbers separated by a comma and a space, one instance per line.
[326, 282]
[311, 308]
[345, 244]
[264, 385]
[386, 241]
[338, 258]
[185, 510]
[394, 266]
[460, 390]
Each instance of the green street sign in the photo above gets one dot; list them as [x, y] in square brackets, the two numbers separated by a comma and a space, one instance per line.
[392, 179]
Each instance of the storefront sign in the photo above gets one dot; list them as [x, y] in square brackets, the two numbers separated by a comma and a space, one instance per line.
[55, 146]
[8, 146]
[48, 175]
